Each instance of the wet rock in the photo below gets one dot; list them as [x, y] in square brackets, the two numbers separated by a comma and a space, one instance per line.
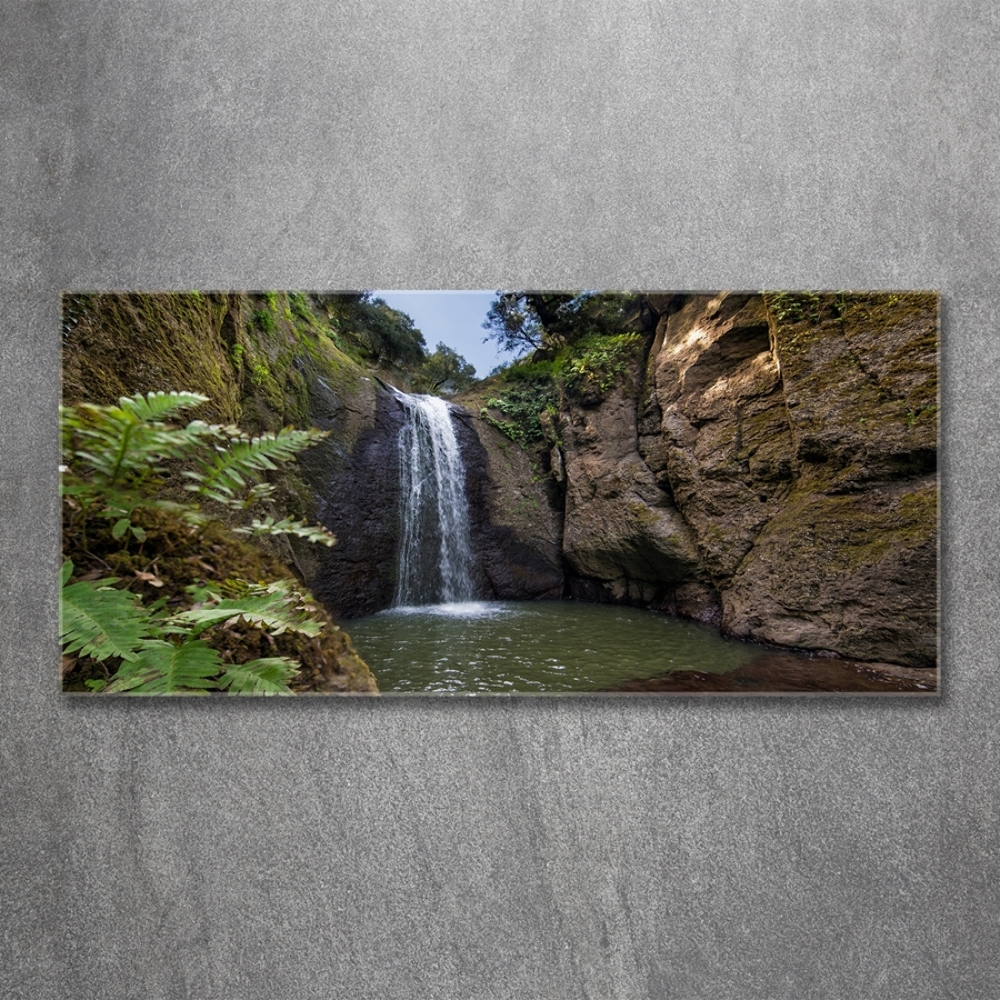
[515, 518]
[784, 673]
[354, 475]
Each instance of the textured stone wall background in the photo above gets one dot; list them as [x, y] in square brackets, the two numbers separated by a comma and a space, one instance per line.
[541, 848]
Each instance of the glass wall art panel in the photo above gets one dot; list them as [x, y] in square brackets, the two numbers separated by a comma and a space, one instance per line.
[499, 493]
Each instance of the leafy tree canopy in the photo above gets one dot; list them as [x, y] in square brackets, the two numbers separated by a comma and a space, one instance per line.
[519, 321]
[376, 330]
[445, 372]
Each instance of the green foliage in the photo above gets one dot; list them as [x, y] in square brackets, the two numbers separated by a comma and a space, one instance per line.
[524, 398]
[371, 330]
[514, 321]
[116, 459]
[275, 607]
[286, 526]
[113, 455]
[588, 368]
[519, 321]
[266, 676]
[100, 622]
[168, 668]
[299, 303]
[793, 307]
[601, 363]
[222, 474]
[260, 374]
[264, 320]
[163, 654]
[444, 372]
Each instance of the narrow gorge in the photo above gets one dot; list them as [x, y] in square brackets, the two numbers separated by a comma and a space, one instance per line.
[763, 464]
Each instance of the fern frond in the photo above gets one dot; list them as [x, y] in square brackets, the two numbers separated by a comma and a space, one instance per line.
[247, 458]
[286, 526]
[98, 621]
[277, 611]
[165, 668]
[120, 443]
[157, 406]
[267, 676]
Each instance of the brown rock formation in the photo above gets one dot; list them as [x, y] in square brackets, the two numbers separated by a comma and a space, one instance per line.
[767, 463]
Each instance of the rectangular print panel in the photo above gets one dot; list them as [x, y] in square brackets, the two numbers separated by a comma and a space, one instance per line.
[284, 493]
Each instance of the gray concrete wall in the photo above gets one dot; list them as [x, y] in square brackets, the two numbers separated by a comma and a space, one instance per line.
[770, 848]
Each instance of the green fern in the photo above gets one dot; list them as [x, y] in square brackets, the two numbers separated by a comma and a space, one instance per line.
[276, 608]
[115, 458]
[226, 472]
[267, 676]
[165, 668]
[157, 406]
[286, 526]
[100, 622]
[127, 443]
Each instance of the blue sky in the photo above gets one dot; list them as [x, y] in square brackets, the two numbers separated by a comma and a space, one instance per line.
[454, 318]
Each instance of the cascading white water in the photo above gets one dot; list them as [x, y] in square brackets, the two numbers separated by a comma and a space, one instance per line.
[435, 552]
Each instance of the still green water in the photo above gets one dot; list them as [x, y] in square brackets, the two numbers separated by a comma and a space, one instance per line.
[534, 646]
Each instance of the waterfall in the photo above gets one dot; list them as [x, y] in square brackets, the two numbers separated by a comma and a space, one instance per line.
[435, 552]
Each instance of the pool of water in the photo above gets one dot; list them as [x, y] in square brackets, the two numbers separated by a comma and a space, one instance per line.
[534, 646]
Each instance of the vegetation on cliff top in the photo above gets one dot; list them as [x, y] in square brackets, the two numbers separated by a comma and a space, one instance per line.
[374, 334]
[585, 345]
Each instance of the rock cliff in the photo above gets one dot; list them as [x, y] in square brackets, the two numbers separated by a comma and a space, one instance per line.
[767, 463]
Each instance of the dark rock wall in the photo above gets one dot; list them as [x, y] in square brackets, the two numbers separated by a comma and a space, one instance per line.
[515, 516]
[355, 478]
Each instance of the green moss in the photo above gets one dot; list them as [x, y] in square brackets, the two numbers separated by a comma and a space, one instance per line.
[188, 561]
[118, 344]
[599, 363]
[847, 532]
[264, 320]
[523, 508]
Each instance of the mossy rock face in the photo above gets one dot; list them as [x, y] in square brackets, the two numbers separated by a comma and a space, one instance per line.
[860, 376]
[289, 365]
[266, 362]
[515, 512]
[796, 434]
[851, 573]
[118, 344]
